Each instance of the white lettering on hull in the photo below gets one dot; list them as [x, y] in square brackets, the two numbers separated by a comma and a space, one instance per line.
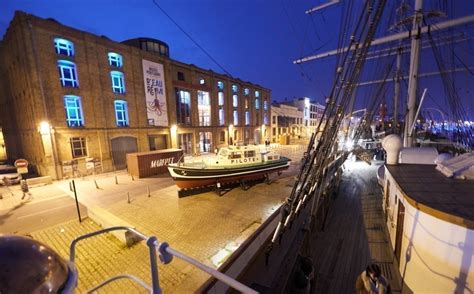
[161, 162]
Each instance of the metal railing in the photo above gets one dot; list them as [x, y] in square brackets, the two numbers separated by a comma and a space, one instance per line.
[166, 255]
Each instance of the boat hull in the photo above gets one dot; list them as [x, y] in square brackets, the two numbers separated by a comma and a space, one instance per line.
[188, 178]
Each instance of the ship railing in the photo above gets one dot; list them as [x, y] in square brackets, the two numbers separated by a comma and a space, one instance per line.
[155, 248]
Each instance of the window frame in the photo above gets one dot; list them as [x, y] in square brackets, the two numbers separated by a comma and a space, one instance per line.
[121, 108]
[63, 47]
[120, 78]
[68, 73]
[82, 148]
[115, 59]
[74, 114]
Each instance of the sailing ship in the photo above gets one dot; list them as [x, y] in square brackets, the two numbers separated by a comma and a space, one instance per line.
[230, 164]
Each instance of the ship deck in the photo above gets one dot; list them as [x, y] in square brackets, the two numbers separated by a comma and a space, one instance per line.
[354, 234]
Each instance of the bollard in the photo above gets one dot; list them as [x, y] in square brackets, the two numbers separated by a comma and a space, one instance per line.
[128, 197]
[148, 190]
[116, 180]
[132, 178]
[96, 185]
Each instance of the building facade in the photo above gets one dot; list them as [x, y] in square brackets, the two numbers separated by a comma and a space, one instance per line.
[73, 98]
[312, 114]
[287, 120]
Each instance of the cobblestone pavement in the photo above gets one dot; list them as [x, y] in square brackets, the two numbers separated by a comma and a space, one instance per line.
[204, 226]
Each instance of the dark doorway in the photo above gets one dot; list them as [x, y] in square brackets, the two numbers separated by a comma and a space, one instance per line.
[158, 142]
[120, 147]
[398, 239]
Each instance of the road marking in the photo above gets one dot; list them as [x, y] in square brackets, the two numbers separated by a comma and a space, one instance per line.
[44, 211]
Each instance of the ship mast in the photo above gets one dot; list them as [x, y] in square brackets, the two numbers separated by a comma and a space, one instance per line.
[413, 75]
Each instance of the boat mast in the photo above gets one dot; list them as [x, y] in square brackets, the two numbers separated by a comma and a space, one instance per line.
[413, 76]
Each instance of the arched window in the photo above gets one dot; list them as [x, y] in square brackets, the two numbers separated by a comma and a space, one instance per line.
[64, 47]
[115, 59]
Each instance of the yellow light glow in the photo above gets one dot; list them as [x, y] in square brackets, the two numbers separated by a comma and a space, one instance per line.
[44, 128]
[174, 129]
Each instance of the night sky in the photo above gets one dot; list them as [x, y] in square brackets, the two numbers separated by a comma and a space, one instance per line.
[254, 40]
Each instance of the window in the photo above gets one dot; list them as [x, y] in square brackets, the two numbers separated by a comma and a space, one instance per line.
[183, 107]
[221, 117]
[236, 118]
[115, 59]
[202, 81]
[265, 118]
[180, 76]
[247, 118]
[220, 85]
[73, 107]
[265, 105]
[246, 103]
[257, 94]
[235, 88]
[121, 113]
[235, 100]
[64, 47]
[220, 98]
[222, 136]
[246, 91]
[204, 108]
[78, 147]
[118, 82]
[257, 103]
[185, 143]
[67, 73]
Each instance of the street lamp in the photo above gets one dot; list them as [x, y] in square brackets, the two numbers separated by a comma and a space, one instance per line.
[44, 128]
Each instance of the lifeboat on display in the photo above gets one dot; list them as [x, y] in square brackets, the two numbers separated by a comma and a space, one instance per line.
[231, 164]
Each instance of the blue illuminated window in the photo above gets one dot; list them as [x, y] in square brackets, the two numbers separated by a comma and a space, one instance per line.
[257, 94]
[121, 113]
[257, 103]
[236, 118]
[235, 100]
[64, 47]
[235, 88]
[265, 118]
[246, 91]
[118, 82]
[115, 59]
[220, 98]
[221, 117]
[220, 85]
[247, 118]
[74, 117]
[67, 73]
[265, 105]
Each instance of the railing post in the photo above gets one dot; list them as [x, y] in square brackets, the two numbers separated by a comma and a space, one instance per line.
[153, 265]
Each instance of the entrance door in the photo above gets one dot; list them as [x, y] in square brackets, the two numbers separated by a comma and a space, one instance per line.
[398, 239]
[157, 142]
[205, 142]
[120, 147]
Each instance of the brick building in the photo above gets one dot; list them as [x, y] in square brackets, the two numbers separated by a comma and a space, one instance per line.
[71, 96]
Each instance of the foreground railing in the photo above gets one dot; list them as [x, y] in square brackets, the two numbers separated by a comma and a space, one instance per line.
[166, 255]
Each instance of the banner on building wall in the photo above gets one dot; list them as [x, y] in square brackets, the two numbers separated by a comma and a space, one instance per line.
[155, 93]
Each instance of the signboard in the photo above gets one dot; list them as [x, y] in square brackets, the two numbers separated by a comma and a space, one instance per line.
[21, 166]
[155, 93]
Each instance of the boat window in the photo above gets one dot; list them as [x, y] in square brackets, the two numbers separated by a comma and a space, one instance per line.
[223, 152]
[234, 155]
[250, 153]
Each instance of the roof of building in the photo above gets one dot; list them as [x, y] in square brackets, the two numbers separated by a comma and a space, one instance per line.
[428, 190]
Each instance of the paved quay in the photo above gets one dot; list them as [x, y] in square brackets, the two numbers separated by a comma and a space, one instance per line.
[204, 226]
